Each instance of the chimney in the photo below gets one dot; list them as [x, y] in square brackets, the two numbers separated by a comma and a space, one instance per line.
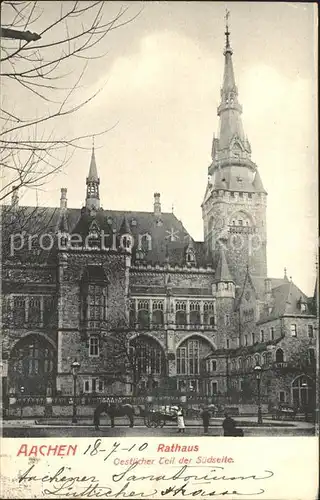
[63, 198]
[15, 197]
[157, 204]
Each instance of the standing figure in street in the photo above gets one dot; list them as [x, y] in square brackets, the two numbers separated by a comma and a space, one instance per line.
[181, 425]
[205, 414]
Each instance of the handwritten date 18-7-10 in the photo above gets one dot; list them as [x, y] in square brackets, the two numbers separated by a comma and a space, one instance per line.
[95, 449]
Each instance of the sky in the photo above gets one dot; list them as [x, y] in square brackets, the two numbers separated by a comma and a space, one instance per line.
[161, 85]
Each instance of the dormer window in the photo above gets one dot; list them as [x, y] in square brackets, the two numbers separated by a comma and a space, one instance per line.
[303, 307]
[145, 242]
[133, 222]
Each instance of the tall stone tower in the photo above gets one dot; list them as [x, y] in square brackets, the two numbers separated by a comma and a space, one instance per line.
[234, 205]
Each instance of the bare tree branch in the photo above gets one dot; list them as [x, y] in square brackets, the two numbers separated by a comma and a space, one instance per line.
[50, 73]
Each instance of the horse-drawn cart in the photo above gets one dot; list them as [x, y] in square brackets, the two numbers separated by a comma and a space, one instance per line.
[284, 412]
[157, 417]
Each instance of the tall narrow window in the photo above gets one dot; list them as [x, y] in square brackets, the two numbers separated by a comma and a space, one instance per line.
[262, 335]
[310, 331]
[195, 313]
[34, 311]
[19, 314]
[182, 361]
[293, 330]
[181, 313]
[93, 346]
[143, 314]
[157, 313]
[208, 314]
[132, 314]
[272, 333]
[279, 356]
[193, 355]
[96, 306]
[94, 297]
[48, 310]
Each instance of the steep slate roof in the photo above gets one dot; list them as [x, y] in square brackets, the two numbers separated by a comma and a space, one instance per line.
[258, 283]
[222, 271]
[257, 183]
[167, 232]
[287, 299]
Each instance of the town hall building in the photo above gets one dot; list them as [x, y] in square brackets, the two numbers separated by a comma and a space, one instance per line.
[144, 308]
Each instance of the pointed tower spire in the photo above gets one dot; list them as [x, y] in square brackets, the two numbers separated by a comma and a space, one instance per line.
[229, 110]
[93, 181]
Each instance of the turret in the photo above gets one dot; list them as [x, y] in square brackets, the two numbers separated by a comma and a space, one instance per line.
[93, 181]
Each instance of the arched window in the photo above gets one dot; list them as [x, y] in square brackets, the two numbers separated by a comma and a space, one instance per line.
[191, 355]
[181, 313]
[195, 313]
[32, 365]
[146, 242]
[146, 356]
[279, 356]
[257, 360]
[143, 313]
[157, 313]
[303, 392]
[209, 313]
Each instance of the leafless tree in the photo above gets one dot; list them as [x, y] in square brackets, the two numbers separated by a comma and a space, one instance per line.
[45, 71]
[129, 359]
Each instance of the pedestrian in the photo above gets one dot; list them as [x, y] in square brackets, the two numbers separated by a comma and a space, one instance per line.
[229, 426]
[180, 418]
[205, 419]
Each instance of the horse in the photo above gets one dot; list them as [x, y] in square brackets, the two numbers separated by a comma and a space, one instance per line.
[113, 410]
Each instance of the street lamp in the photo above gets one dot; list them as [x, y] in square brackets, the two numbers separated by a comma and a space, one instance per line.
[75, 366]
[257, 371]
[304, 385]
[21, 402]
